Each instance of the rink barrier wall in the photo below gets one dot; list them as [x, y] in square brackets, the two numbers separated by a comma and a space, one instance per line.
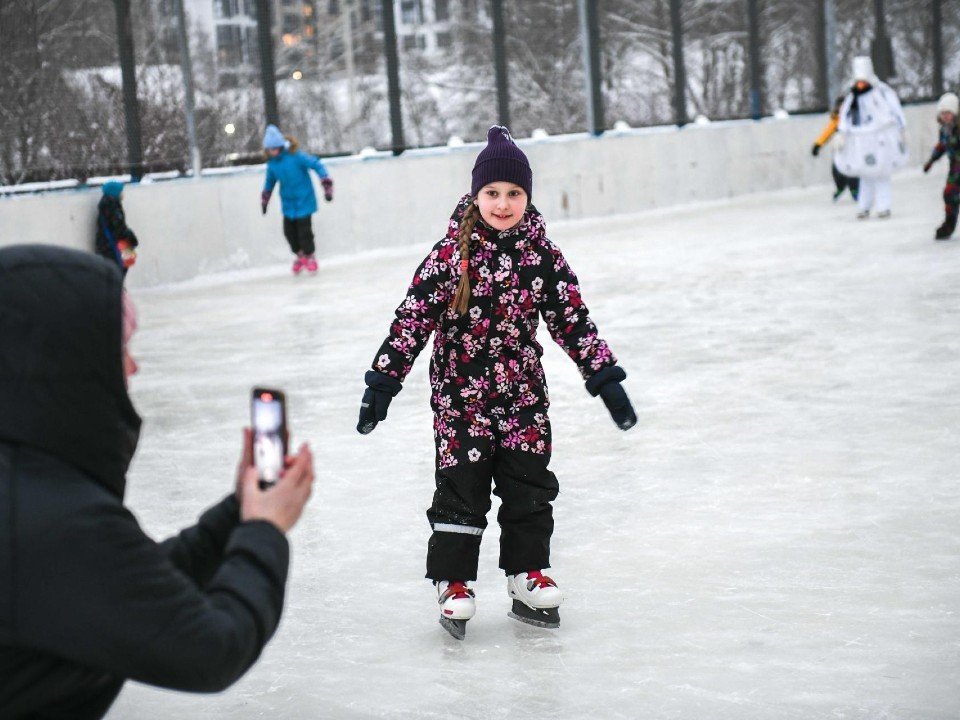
[193, 227]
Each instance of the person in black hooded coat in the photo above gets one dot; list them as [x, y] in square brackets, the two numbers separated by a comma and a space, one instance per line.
[87, 600]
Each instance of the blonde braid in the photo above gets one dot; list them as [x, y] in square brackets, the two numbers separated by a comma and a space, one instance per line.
[461, 300]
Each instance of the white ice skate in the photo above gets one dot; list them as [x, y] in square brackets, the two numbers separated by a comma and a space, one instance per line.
[457, 605]
[536, 598]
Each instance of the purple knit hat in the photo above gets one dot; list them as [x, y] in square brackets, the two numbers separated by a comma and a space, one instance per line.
[501, 161]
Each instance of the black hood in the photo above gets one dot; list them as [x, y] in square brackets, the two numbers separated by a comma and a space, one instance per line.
[62, 389]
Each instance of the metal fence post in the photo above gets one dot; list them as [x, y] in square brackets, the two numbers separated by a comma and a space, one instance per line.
[829, 37]
[881, 49]
[187, 70]
[756, 72]
[267, 73]
[679, 68]
[590, 40]
[393, 76]
[500, 64]
[131, 107]
[937, 47]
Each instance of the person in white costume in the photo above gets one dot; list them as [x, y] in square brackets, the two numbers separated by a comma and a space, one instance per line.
[872, 128]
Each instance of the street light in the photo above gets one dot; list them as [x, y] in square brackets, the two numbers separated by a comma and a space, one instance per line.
[229, 128]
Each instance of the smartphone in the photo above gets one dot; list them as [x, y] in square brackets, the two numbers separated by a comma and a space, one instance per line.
[268, 414]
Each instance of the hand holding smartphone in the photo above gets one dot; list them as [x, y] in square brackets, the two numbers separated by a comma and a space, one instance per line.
[268, 414]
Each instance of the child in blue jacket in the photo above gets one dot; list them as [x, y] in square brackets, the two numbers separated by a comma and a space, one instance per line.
[289, 167]
[115, 242]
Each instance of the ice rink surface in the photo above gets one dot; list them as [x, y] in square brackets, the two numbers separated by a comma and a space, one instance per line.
[779, 537]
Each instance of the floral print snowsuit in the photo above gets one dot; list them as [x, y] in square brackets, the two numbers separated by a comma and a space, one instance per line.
[489, 393]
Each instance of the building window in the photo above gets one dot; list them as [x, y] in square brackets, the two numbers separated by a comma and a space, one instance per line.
[411, 12]
[224, 8]
[365, 12]
[228, 80]
[171, 44]
[442, 10]
[251, 46]
[444, 40]
[290, 25]
[413, 42]
[229, 45]
[333, 7]
[336, 47]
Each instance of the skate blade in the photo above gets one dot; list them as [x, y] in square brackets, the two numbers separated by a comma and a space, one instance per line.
[538, 617]
[457, 628]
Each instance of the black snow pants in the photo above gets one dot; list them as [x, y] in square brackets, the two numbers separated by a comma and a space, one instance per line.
[461, 501]
[299, 234]
[845, 181]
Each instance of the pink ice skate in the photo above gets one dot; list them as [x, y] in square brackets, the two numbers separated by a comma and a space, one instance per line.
[310, 263]
[298, 264]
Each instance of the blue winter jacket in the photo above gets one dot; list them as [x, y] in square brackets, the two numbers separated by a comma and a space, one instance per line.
[297, 197]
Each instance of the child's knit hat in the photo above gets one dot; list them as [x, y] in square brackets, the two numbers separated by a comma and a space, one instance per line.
[113, 189]
[501, 161]
[949, 102]
[273, 138]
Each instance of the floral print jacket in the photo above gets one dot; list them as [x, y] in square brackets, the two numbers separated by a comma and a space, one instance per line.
[490, 356]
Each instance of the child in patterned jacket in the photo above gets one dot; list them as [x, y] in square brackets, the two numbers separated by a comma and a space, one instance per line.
[480, 292]
[948, 109]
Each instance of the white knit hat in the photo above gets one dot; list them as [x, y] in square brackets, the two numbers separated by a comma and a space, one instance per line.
[949, 102]
[863, 68]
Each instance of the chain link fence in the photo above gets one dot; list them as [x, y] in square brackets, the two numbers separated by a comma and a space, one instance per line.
[197, 76]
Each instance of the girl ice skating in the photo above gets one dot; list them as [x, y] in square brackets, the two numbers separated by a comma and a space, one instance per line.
[481, 291]
[948, 108]
[289, 167]
[871, 126]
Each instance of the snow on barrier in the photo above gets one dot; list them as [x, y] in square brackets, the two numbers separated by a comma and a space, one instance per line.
[192, 227]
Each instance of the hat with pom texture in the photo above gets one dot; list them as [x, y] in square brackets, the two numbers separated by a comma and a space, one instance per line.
[501, 161]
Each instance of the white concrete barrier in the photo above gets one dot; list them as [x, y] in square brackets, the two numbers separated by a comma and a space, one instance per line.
[192, 227]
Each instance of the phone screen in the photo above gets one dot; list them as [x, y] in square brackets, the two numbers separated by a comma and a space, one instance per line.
[269, 433]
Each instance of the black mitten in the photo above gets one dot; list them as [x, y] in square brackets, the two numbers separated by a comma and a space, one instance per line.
[381, 389]
[606, 384]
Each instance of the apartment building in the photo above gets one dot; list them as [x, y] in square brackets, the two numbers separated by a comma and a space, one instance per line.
[312, 33]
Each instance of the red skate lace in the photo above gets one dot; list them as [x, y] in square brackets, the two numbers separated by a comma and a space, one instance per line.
[538, 579]
[457, 590]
